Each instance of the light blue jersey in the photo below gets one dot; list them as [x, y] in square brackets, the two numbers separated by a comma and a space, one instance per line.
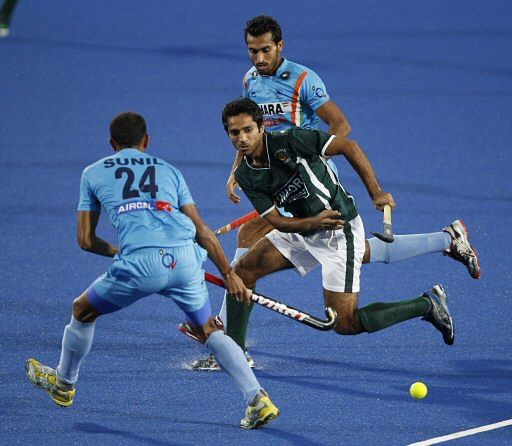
[288, 98]
[142, 195]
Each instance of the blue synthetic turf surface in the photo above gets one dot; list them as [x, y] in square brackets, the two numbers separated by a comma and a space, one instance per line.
[427, 87]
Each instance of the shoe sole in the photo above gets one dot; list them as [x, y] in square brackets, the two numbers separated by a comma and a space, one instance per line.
[217, 369]
[258, 424]
[205, 369]
[474, 250]
[442, 301]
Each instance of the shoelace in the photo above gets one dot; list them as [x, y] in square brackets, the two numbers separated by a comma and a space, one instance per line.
[44, 372]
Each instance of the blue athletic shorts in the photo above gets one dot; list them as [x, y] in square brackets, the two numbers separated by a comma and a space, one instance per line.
[176, 273]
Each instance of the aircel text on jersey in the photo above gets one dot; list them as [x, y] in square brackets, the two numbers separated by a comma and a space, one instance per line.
[111, 162]
[144, 205]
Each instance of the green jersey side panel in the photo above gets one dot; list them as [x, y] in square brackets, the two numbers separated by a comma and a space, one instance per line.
[298, 177]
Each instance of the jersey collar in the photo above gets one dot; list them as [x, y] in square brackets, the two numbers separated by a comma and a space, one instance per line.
[280, 69]
[268, 158]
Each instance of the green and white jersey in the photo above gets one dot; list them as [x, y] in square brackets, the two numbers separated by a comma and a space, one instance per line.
[297, 177]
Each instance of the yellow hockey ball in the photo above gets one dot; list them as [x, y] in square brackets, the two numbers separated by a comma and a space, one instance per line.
[418, 390]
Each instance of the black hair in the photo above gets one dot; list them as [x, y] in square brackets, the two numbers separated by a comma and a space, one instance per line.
[239, 106]
[262, 24]
[127, 129]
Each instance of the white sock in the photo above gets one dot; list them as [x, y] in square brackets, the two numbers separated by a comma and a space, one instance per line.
[76, 343]
[222, 313]
[232, 359]
[408, 246]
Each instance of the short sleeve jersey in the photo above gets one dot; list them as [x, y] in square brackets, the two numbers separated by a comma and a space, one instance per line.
[289, 98]
[142, 195]
[297, 178]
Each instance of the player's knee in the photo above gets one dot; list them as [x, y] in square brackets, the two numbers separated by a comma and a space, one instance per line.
[348, 325]
[83, 311]
[204, 332]
[78, 309]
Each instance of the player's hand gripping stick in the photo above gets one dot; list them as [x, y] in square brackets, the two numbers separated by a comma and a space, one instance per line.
[238, 222]
[279, 307]
[387, 235]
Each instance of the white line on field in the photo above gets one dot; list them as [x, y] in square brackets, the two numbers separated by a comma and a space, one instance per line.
[466, 433]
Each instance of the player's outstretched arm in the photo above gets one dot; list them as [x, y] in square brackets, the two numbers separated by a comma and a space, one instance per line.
[359, 161]
[327, 219]
[87, 238]
[209, 241]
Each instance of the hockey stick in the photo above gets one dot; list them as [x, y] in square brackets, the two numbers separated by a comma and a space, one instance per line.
[387, 235]
[236, 223]
[279, 307]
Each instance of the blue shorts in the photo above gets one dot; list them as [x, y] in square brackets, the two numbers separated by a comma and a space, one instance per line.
[176, 273]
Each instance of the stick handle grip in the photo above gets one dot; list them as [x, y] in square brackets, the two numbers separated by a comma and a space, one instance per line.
[387, 214]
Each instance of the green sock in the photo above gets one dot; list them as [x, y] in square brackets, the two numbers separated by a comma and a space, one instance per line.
[6, 11]
[377, 316]
[238, 319]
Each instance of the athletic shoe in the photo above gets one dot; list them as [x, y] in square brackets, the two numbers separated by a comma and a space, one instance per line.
[439, 315]
[260, 412]
[186, 328]
[4, 30]
[45, 378]
[460, 248]
[210, 364]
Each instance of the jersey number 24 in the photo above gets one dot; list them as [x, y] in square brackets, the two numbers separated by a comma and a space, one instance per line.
[147, 182]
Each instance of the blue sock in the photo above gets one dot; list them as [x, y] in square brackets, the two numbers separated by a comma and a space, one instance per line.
[232, 359]
[76, 343]
[222, 313]
[408, 246]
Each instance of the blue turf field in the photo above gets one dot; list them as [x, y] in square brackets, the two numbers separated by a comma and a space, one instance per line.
[427, 87]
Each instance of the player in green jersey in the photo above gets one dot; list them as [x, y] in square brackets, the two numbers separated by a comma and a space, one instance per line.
[288, 169]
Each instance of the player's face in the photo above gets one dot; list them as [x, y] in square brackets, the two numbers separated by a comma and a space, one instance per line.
[264, 53]
[245, 135]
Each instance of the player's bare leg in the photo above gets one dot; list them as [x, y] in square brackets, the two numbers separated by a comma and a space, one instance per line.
[261, 260]
[252, 231]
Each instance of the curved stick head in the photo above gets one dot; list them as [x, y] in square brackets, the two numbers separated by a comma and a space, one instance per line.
[332, 318]
[388, 238]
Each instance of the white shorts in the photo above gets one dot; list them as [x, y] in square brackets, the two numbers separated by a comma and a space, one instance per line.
[339, 252]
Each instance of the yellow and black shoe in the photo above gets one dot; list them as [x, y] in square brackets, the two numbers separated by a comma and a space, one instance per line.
[45, 378]
[260, 412]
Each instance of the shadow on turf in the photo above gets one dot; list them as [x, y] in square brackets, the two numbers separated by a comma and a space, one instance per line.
[93, 428]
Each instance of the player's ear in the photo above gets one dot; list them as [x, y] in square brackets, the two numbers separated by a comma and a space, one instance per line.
[114, 144]
[280, 45]
[145, 141]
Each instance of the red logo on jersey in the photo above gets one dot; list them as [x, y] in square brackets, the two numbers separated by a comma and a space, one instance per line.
[163, 206]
